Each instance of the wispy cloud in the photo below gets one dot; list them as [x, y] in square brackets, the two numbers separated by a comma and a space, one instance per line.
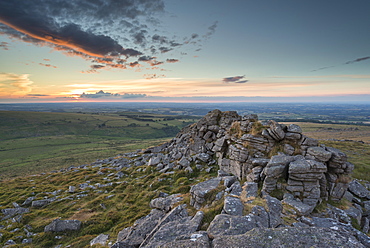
[4, 45]
[48, 65]
[14, 84]
[235, 79]
[172, 60]
[346, 63]
[357, 60]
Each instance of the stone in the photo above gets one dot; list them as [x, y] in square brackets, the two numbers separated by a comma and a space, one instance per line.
[100, 240]
[337, 159]
[308, 142]
[293, 128]
[228, 181]
[336, 225]
[28, 201]
[233, 206]
[303, 166]
[356, 188]
[224, 224]
[199, 191]
[236, 189]
[289, 237]
[251, 189]
[173, 229]
[274, 208]
[302, 208]
[27, 241]
[318, 153]
[293, 136]
[198, 239]
[10, 212]
[40, 203]
[276, 131]
[59, 225]
[288, 149]
[10, 242]
[365, 225]
[355, 213]
[165, 203]
[262, 162]
[184, 162]
[278, 166]
[153, 161]
[338, 191]
[204, 157]
[71, 189]
[261, 215]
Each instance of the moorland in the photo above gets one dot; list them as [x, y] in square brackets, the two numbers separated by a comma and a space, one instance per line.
[36, 145]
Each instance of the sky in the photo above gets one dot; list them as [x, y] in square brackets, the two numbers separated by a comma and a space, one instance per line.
[184, 51]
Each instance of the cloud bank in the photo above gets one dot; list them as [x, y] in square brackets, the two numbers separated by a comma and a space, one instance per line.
[14, 84]
[106, 95]
[114, 33]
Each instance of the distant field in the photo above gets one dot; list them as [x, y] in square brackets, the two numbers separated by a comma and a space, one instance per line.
[34, 142]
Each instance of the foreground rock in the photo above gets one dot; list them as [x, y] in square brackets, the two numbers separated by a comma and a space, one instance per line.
[59, 225]
[289, 237]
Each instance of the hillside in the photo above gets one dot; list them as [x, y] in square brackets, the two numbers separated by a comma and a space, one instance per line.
[35, 142]
[245, 183]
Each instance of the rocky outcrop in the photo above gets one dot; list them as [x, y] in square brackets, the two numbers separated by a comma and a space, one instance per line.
[285, 174]
[276, 156]
[261, 153]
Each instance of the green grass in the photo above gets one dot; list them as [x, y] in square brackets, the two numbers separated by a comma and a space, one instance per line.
[35, 142]
[130, 201]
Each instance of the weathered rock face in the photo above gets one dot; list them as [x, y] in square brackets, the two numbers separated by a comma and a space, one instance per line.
[289, 237]
[198, 192]
[273, 155]
[244, 147]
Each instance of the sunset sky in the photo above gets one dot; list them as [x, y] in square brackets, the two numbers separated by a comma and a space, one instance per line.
[184, 51]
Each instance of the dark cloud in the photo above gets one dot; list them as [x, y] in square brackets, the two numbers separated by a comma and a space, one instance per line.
[236, 79]
[134, 64]
[211, 30]
[4, 45]
[140, 37]
[160, 39]
[102, 94]
[109, 32]
[172, 60]
[357, 60]
[96, 67]
[165, 49]
[79, 27]
[146, 58]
